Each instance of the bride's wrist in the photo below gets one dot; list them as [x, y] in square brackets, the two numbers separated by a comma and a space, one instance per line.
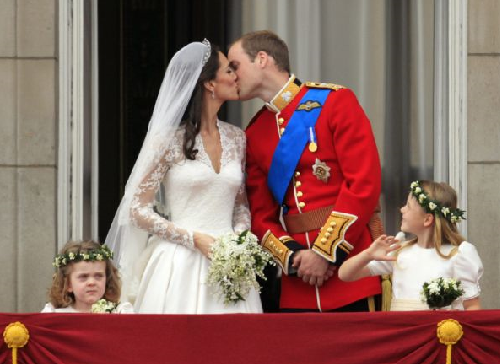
[196, 239]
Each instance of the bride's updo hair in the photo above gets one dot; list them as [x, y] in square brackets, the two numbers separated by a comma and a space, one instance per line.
[192, 116]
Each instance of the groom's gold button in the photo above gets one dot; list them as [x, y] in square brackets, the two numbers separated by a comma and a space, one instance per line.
[280, 121]
[299, 193]
[302, 204]
[282, 130]
[298, 184]
[297, 174]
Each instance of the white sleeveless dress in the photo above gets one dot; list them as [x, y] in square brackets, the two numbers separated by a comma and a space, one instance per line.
[197, 199]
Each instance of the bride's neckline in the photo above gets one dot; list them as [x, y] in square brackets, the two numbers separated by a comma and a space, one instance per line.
[212, 160]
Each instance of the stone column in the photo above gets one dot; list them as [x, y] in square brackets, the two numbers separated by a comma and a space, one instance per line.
[28, 72]
[483, 141]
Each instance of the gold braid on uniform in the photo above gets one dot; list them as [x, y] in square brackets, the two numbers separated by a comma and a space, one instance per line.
[278, 250]
[330, 243]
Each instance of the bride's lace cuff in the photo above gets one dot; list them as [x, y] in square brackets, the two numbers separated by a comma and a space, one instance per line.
[242, 219]
[191, 240]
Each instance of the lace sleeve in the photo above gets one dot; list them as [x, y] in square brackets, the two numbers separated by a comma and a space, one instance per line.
[241, 213]
[142, 213]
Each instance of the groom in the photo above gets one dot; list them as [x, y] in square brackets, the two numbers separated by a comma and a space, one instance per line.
[312, 162]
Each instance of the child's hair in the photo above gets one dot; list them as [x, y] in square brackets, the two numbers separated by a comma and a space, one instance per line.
[445, 231]
[58, 292]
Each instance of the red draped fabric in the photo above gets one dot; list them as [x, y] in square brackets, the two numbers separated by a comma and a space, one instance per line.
[340, 338]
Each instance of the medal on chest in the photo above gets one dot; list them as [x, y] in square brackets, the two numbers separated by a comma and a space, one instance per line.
[321, 170]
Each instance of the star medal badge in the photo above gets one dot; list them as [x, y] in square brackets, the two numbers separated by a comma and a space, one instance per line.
[321, 170]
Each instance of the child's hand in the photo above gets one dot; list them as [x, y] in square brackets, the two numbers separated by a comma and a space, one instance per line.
[381, 247]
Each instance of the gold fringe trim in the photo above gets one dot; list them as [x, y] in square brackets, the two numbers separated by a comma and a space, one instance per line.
[386, 292]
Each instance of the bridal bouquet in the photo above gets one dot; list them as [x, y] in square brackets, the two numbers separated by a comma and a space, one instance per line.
[237, 261]
[441, 292]
[104, 306]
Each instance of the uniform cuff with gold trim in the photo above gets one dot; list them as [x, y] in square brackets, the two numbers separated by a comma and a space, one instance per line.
[291, 244]
[330, 243]
[281, 249]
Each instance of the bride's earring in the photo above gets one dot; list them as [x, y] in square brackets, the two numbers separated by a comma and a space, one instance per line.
[213, 94]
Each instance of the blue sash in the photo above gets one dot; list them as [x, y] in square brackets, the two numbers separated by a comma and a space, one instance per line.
[291, 145]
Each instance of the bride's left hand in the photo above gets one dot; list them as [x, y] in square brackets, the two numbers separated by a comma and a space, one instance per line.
[203, 242]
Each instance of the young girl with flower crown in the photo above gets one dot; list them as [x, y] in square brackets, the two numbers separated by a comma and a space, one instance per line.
[85, 281]
[438, 251]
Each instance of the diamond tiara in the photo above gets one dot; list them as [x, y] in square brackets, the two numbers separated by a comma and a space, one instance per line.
[206, 56]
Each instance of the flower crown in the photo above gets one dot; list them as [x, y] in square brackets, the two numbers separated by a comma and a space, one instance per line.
[99, 255]
[434, 207]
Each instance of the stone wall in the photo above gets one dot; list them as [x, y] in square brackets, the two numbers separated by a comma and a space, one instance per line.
[28, 139]
[483, 141]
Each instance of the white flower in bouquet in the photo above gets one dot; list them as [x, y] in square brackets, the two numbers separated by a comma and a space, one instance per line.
[237, 261]
[441, 292]
[104, 306]
[434, 288]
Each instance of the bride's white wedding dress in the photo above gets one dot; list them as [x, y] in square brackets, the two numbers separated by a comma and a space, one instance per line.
[174, 279]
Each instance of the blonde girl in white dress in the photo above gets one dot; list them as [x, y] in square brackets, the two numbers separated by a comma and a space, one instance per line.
[85, 275]
[438, 250]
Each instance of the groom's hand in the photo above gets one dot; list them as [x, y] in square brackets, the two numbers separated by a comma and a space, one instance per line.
[312, 268]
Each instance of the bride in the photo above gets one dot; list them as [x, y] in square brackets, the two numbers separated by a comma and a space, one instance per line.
[186, 188]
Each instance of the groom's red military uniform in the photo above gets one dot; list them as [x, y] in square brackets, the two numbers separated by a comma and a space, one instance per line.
[333, 193]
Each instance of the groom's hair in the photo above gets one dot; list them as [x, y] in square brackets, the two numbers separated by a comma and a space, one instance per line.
[269, 42]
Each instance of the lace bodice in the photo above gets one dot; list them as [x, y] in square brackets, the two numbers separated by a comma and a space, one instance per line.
[196, 197]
